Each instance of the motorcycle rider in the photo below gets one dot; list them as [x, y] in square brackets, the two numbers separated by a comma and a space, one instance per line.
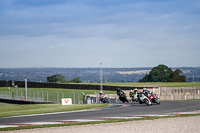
[131, 94]
[101, 95]
[136, 94]
[118, 91]
[122, 95]
[146, 92]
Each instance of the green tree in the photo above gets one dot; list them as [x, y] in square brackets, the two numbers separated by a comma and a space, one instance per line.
[76, 80]
[177, 77]
[56, 78]
[161, 73]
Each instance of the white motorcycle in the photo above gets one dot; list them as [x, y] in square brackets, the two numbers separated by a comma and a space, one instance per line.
[144, 99]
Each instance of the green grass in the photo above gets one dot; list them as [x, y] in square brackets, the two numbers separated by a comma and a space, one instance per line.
[96, 122]
[155, 84]
[15, 110]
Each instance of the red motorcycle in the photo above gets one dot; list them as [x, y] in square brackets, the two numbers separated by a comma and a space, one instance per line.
[154, 98]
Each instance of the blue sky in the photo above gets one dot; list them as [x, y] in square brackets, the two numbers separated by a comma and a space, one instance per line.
[83, 33]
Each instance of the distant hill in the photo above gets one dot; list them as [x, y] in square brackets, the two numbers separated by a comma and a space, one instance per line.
[90, 75]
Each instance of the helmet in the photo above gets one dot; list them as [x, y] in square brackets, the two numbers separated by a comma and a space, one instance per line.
[144, 89]
[135, 89]
[131, 91]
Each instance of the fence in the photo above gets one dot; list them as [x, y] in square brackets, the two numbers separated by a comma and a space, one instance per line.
[72, 86]
[5, 83]
[42, 96]
[112, 98]
[180, 93]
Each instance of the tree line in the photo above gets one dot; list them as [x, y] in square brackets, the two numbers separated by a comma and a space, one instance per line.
[57, 78]
[163, 73]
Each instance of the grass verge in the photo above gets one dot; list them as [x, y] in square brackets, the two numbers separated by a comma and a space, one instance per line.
[96, 122]
[15, 110]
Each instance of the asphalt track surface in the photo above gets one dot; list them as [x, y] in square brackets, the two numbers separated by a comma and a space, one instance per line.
[126, 110]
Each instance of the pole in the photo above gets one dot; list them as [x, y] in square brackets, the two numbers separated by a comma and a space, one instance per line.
[25, 89]
[101, 79]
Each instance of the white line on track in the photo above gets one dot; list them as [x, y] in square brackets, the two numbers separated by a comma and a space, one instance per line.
[119, 117]
[52, 113]
[5, 126]
[81, 120]
[39, 123]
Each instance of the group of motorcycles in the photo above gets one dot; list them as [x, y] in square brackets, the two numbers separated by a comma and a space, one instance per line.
[146, 97]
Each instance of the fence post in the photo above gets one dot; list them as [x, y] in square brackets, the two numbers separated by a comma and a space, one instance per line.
[78, 98]
[38, 95]
[159, 92]
[42, 96]
[47, 97]
[74, 97]
[62, 94]
[182, 93]
[172, 97]
[57, 97]
[198, 94]
[97, 98]
[17, 94]
[83, 97]
[29, 95]
[110, 98]
[34, 95]
[116, 98]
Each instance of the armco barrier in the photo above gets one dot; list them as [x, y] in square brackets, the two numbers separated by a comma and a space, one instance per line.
[72, 86]
[5, 83]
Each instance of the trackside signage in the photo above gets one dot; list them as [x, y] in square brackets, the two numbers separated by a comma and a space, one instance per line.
[66, 101]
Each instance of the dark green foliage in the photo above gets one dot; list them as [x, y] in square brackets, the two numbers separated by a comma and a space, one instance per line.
[76, 80]
[176, 77]
[61, 79]
[56, 78]
[162, 73]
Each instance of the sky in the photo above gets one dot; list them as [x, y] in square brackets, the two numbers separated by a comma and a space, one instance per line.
[85, 33]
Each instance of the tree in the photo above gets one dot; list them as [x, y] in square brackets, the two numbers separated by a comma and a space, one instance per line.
[56, 78]
[76, 80]
[161, 73]
[176, 77]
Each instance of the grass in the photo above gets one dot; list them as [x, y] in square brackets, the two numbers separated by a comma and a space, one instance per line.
[96, 122]
[15, 110]
[155, 84]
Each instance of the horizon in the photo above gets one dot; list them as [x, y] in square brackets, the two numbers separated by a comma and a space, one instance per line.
[88, 67]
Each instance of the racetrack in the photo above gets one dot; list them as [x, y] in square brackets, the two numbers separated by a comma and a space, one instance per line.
[126, 110]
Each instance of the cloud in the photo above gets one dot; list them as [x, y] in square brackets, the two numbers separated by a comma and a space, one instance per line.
[84, 33]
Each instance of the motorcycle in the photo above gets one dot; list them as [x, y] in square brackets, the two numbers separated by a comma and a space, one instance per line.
[122, 96]
[135, 97]
[104, 99]
[144, 99]
[153, 97]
